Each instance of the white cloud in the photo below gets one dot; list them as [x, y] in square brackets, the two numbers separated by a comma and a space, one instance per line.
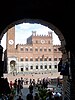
[23, 31]
[26, 29]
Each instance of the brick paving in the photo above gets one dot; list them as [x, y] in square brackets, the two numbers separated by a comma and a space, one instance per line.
[32, 76]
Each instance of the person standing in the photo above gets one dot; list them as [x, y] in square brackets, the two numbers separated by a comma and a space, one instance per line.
[36, 97]
[20, 98]
[30, 88]
[29, 96]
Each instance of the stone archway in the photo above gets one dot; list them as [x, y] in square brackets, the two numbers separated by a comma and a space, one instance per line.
[60, 12]
[13, 66]
[49, 25]
[45, 23]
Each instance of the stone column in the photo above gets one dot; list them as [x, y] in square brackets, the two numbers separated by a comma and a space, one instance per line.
[1, 65]
[72, 82]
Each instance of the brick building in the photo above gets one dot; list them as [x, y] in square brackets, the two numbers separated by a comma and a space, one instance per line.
[38, 55]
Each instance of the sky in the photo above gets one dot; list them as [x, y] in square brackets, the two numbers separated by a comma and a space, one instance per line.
[24, 30]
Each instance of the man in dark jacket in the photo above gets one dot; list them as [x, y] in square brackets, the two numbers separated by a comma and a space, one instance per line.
[20, 98]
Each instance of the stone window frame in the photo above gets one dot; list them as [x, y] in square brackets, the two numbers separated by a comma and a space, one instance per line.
[55, 66]
[26, 49]
[50, 66]
[41, 49]
[55, 49]
[31, 59]
[45, 49]
[49, 49]
[26, 58]
[41, 66]
[41, 59]
[55, 59]
[31, 49]
[45, 66]
[49, 59]
[37, 66]
[21, 59]
[36, 49]
[31, 67]
[21, 48]
[36, 59]
[45, 59]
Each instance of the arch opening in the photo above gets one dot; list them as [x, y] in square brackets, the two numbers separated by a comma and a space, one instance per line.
[41, 22]
[39, 67]
[44, 57]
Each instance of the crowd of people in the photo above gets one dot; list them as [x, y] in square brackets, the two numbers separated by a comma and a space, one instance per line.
[15, 89]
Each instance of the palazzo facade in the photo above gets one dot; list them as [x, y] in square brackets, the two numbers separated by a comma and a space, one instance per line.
[37, 55]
